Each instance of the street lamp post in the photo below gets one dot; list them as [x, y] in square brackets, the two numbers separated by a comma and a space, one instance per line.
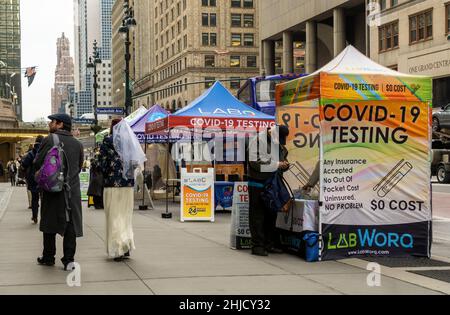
[93, 62]
[128, 23]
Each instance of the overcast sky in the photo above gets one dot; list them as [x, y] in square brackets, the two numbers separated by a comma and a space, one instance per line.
[42, 22]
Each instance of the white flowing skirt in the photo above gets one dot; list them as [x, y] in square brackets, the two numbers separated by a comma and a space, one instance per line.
[119, 205]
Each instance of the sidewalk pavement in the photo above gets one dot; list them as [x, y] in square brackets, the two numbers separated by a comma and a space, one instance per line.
[176, 258]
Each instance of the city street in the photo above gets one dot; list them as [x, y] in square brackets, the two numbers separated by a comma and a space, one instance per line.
[195, 259]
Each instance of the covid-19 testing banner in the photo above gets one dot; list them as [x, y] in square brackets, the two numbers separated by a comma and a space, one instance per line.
[375, 179]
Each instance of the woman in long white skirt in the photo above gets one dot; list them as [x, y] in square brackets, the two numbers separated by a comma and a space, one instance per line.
[118, 199]
[119, 204]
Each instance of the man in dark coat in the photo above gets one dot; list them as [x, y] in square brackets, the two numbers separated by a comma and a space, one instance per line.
[27, 164]
[261, 167]
[56, 216]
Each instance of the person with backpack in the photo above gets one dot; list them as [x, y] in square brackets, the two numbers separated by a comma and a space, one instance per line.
[32, 187]
[58, 164]
[262, 167]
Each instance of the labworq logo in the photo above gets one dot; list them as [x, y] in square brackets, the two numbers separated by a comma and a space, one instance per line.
[369, 239]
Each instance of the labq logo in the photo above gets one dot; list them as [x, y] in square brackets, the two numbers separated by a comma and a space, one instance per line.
[369, 239]
[229, 111]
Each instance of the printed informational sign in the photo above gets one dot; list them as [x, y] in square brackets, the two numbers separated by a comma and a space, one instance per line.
[240, 225]
[83, 121]
[197, 191]
[375, 181]
[303, 121]
[84, 185]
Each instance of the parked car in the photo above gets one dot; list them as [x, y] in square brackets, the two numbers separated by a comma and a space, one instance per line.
[440, 165]
[441, 119]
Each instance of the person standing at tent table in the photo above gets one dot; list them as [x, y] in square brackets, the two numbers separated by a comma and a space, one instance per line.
[261, 167]
[118, 200]
[61, 212]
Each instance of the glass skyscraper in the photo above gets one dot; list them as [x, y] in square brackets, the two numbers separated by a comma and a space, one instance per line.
[10, 60]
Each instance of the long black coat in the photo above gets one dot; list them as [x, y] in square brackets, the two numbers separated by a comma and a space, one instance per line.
[53, 208]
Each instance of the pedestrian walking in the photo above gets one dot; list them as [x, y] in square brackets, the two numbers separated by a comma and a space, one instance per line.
[96, 188]
[2, 171]
[261, 168]
[12, 172]
[61, 212]
[32, 186]
[118, 195]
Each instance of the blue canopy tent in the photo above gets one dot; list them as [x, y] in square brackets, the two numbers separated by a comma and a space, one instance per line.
[218, 109]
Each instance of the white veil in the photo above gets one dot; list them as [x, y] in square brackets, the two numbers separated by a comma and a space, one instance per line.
[129, 149]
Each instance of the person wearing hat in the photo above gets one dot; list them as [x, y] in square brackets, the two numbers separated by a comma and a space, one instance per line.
[61, 212]
[32, 186]
[262, 165]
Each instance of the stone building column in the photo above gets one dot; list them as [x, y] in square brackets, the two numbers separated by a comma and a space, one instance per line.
[269, 56]
[311, 47]
[339, 31]
[288, 52]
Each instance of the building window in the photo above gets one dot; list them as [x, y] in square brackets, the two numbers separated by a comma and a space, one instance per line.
[213, 39]
[249, 40]
[447, 18]
[383, 4]
[235, 3]
[236, 40]
[388, 36]
[235, 61]
[210, 61]
[205, 39]
[421, 27]
[248, 4]
[251, 62]
[249, 20]
[394, 3]
[236, 20]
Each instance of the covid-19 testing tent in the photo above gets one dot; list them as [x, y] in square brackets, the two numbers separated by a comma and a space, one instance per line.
[370, 128]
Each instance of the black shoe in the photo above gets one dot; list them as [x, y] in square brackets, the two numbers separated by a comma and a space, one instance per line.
[35, 221]
[127, 254]
[45, 262]
[259, 251]
[66, 264]
[119, 259]
[275, 250]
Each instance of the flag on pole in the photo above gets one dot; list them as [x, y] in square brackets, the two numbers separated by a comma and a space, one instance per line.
[30, 73]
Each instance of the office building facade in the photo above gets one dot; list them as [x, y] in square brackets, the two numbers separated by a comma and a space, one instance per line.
[63, 75]
[10, 54]
[303, 35]
[183, 42]
[92, 23]
[413, 37]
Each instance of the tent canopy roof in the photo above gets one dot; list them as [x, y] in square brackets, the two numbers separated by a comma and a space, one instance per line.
[351, 76]
[219, 102]
[352, 61]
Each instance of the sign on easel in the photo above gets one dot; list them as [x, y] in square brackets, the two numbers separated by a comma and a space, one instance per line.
[84, 185]
[240, 223]
[197, 191]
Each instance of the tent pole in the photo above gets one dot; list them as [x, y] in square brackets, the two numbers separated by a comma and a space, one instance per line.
[167, 215]
[144, 206]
